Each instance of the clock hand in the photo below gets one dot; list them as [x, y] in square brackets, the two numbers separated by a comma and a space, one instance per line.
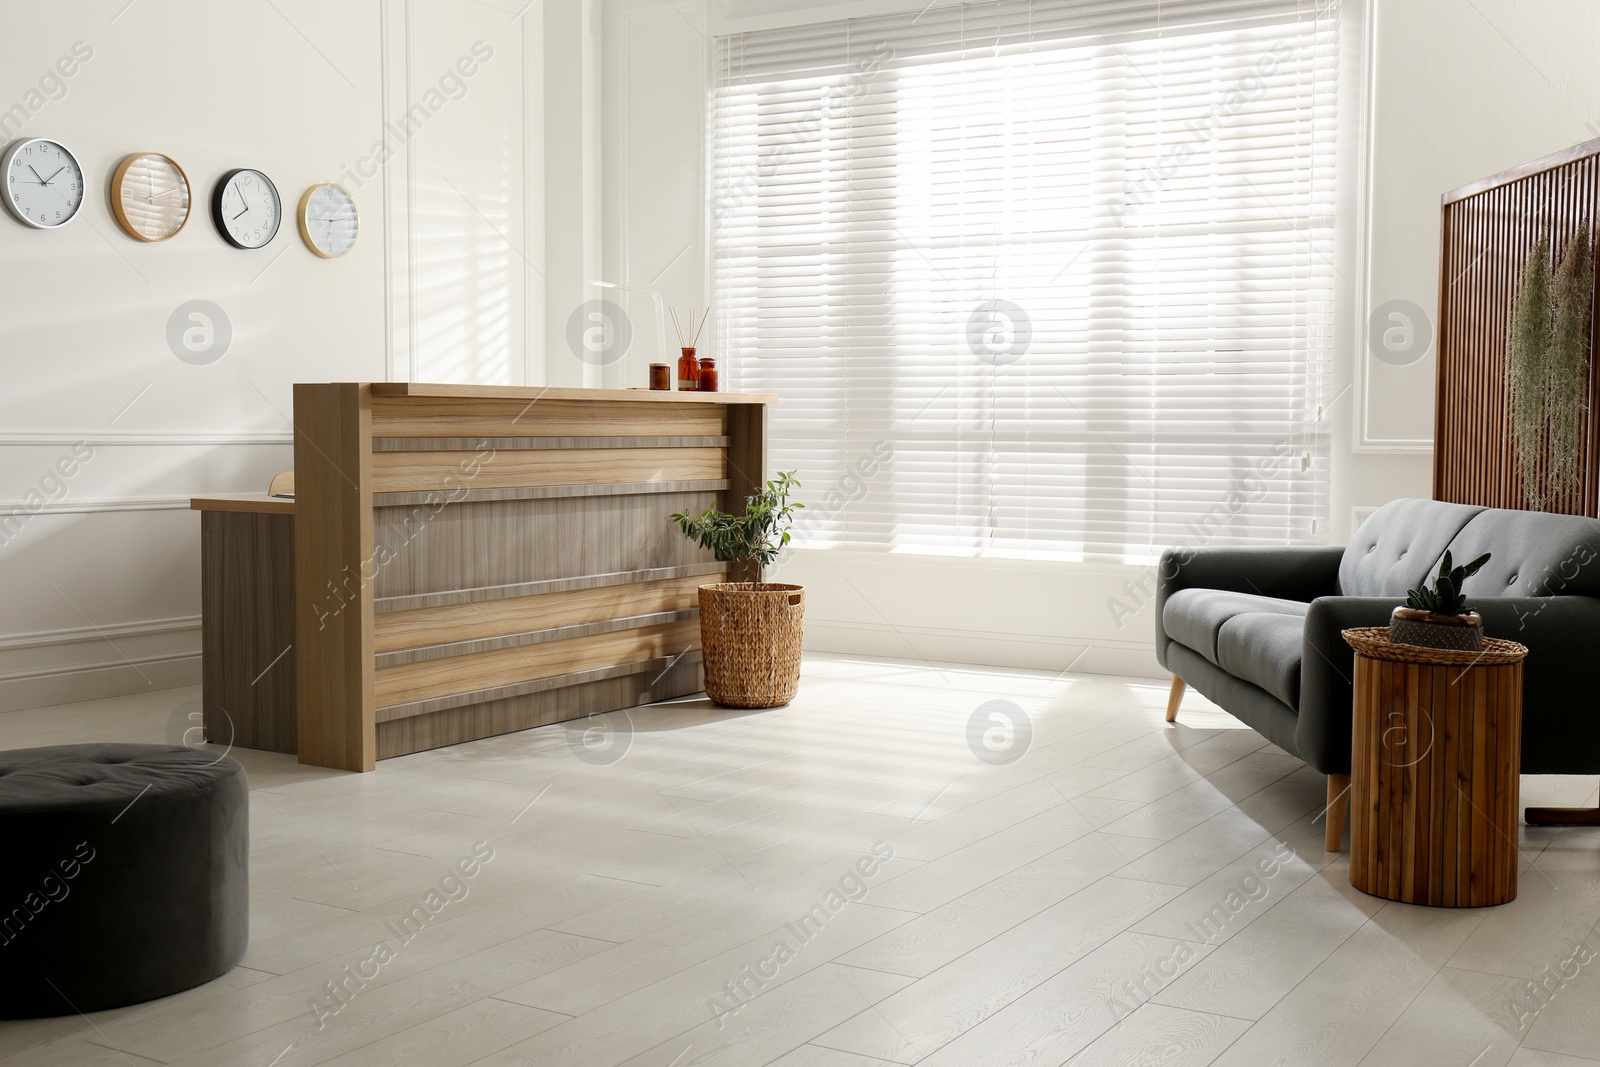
[155, 196]
[36, 174]
[247, 208]
[52, 177]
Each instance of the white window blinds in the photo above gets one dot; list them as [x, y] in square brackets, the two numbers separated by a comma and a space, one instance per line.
[1049, 279]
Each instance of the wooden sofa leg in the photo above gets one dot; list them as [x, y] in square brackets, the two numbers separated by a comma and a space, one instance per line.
[1175, 698]
[1562, 816]
[1338, 808]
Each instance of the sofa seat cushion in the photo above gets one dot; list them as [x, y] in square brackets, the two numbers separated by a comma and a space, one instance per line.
[1195, 617]
[1264, 649]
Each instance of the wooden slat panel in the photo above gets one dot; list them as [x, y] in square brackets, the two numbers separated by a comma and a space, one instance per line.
[402, 472]
[550, 492]
[432, 678]
[539, 417]
[661, 681]
[497, 618]
[705, 572]
[333, 595]
[531, 637]
[472, 444]
[1487, 231]
[651, 667]
[506, 542]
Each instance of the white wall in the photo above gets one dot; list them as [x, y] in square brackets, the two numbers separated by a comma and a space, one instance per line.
[656, 227]
[576, 153]
[101, 585]
[1455, 91]
[1459, 92]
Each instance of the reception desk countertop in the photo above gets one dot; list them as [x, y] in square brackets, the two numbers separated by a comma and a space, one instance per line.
[253, 503]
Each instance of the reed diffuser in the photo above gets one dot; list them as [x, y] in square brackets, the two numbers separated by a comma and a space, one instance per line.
[688, 366]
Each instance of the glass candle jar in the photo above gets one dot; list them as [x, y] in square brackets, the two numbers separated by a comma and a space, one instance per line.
[660, 376]
[708, 375]
[688, 371]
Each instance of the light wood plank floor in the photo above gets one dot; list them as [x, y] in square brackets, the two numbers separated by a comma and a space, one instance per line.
[864, 878]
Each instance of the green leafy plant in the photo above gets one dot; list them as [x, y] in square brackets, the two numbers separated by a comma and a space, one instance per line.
[758, 535]
[1445, 596]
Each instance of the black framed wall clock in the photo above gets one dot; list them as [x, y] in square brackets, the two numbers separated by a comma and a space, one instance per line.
[246, 209]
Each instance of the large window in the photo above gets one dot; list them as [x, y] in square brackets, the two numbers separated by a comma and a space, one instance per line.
[1050, 279]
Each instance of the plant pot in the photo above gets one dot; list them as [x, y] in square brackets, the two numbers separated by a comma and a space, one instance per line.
[1460, 633]
[750, 639]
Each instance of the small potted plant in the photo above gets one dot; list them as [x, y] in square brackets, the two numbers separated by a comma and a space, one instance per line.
[1439, 617]
[750, 631]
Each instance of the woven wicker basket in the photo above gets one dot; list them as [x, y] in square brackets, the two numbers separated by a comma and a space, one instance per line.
[750, 637]
[1373, 642]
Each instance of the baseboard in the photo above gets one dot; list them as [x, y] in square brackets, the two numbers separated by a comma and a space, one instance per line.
[90, 663]
[1029, 652]
[98, 682]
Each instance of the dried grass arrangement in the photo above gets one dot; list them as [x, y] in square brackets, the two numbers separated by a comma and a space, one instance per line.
[1547, 367]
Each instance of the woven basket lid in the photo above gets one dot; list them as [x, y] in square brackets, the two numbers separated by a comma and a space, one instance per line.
[1373, 642]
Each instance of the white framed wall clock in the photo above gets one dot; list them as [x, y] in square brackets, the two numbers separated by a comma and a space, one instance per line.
[150, 196]
[329, 223]
[246, 209]
[43, 183]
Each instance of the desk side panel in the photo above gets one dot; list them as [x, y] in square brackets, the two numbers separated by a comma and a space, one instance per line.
[247, 629]
[334, 572]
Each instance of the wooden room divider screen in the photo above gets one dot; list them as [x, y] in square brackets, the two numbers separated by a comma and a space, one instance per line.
[1486, 232]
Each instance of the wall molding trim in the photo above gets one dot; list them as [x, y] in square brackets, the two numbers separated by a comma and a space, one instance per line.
[24, 438]
[98, 681]
[100, 665]
[1367, 442]
[65, 666]
[18, 509]
[79, 634]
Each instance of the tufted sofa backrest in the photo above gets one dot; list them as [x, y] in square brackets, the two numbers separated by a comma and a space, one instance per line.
[1400, 545]
[1532, 553]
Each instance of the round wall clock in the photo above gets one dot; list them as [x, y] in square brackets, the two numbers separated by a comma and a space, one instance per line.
[44, 184]
[328, 220]
[245, 207]
[150, 196]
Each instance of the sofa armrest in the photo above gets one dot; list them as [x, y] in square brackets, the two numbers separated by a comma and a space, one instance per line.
[1561, 708]
[1298, 572]
[1560, 702]
[1327, 671]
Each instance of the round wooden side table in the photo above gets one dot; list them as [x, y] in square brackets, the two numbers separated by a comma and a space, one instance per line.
[1435, 754]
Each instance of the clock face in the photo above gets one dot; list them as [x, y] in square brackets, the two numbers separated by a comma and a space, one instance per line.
[328, 220]
[44, 184]
[150, 196]
[245, 208]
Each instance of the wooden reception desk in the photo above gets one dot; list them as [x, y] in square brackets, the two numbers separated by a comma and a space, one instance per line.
[469, 561]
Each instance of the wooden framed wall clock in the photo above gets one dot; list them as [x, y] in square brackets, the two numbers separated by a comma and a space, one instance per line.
[150, 196]
[246, 209]
[329, 223]
[43, 183]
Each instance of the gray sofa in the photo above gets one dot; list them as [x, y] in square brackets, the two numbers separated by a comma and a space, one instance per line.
[1257, 629]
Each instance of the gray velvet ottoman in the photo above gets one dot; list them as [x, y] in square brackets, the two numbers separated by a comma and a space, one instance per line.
[124, 875]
